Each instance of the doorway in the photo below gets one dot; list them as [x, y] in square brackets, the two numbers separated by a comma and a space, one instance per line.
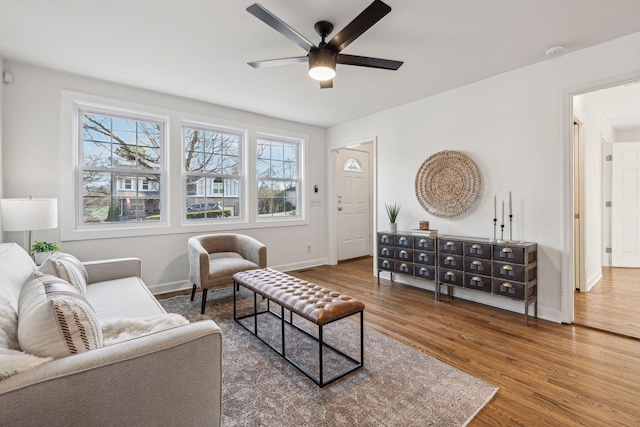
[606, 183]
[354, 201]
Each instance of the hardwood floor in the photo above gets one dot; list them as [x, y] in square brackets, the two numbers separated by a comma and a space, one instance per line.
[612, 303]
[549, 374]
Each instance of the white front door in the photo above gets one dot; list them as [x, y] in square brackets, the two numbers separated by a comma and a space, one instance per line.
[625, 211]
[354, 207]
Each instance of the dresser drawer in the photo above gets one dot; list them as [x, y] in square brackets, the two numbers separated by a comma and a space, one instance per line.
[508, 288]
[477, 250]
[450, 277]
[385, 264]
[450, 261]
[424, 243]
[424, 257]
[385, 251]
[403, 241]
[477, 266]
[506, 253]
[403, 267]
[385, 239]
[450, 246]
[478, 282]
[425, 271]
[404, 254]
[506, 271]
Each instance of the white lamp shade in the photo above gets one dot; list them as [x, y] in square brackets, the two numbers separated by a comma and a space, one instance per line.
[29, 214]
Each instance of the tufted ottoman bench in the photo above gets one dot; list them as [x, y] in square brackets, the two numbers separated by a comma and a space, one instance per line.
[312, 302]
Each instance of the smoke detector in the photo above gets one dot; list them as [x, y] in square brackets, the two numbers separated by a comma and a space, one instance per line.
[556, 50]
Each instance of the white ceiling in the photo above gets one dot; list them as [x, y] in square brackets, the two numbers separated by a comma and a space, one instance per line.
[200, 48]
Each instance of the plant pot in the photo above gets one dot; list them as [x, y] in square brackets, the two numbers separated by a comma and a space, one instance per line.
[40, 257]
[393, 227]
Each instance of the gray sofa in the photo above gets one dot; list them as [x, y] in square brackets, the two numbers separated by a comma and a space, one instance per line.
[168, 378]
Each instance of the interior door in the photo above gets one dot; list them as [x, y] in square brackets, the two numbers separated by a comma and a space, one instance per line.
[354, 207]
[625, 209]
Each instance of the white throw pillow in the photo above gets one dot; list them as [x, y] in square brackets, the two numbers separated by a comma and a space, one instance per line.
[54, 319]
[68, 268]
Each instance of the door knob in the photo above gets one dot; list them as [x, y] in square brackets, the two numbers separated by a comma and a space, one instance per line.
[339, 208]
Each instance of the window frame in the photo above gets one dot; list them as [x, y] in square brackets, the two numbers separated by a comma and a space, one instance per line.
[302, 207]
[80, 110]
[241, 176]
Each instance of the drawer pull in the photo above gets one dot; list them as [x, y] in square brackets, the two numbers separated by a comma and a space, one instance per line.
[423, 240]
[403, 252]
[506, 250]
[403, 239]
[385, 263]
[450, 244]
[451, 275]
[476, 246]
[385, 251]
[450, 258]
[476, 263]
[422, 270]
[476, 279]
[507, 285]
[506, 268]
[423, 256]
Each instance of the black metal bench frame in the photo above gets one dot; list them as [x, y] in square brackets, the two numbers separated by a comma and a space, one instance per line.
[320, 380]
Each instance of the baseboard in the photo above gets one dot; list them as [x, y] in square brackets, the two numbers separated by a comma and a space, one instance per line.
[594, 279]
[164, 288]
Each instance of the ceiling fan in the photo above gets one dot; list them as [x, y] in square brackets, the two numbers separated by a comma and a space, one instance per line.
[324, 57]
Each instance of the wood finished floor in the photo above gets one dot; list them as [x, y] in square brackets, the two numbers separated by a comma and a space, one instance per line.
[549, 374]
[612, 303]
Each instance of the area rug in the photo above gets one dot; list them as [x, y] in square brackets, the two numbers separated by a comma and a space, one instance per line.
[397, 386]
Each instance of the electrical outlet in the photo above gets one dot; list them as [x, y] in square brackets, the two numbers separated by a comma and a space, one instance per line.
[308, 248]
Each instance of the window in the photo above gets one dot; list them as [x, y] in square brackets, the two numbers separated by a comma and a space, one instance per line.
[352, 165]
[278, 177]
[120, 156]
[212, 165]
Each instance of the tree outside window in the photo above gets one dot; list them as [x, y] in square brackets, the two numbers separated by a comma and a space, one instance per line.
[120, 157]
[212, 160]
[278, 177]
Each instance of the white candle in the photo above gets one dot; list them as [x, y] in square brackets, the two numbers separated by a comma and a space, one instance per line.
[495, 208]
[510, 212]
[502, 223]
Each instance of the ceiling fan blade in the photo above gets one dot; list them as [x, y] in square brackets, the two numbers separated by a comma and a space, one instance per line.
[274, 22]
[277, 62]
[326, 84]
[372, 14]
[365, 61]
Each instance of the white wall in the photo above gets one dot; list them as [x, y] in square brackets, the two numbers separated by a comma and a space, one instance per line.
[37, 137]
[628, 135]
[595, 130]
[516, 127]
[1, 117]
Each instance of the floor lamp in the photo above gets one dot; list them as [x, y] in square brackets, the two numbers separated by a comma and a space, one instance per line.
[28, 215]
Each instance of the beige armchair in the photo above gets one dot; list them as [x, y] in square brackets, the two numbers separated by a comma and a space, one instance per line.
[215, 258]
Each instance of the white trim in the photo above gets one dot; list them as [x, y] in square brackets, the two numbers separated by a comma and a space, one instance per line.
[173, 186]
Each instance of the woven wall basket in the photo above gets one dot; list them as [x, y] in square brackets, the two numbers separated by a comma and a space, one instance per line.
[448, 184]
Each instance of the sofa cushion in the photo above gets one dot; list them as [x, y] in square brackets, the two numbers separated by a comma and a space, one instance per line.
[68, 268]
[54, 319]
[126, 297]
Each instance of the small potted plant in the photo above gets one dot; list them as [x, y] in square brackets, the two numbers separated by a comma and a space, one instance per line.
[392, 212]
[42, 250]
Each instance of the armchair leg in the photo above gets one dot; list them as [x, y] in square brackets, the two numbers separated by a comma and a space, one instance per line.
[193, 292]
[204, 299]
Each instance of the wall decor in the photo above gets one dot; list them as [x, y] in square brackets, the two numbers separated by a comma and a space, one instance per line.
[448, 184]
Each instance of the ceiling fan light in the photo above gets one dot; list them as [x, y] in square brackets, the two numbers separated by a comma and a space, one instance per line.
[322, 64]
